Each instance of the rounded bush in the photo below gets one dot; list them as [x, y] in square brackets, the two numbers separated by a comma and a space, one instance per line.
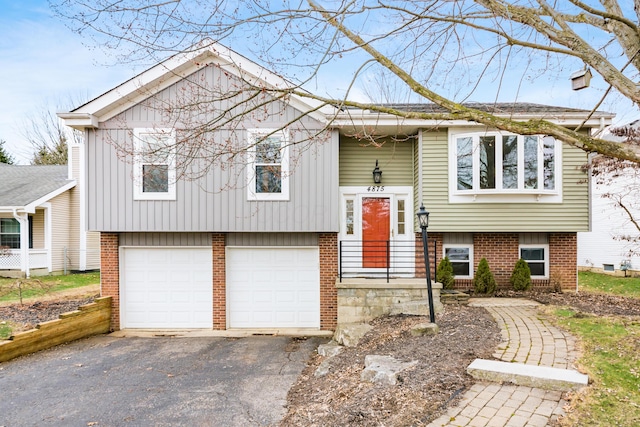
[444, 273]
[483, 280]
[521, 276]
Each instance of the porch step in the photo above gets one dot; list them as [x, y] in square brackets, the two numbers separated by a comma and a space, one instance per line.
[527, 375]
[448, 296]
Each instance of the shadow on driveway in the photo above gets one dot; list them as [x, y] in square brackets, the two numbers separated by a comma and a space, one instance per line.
[108, 381]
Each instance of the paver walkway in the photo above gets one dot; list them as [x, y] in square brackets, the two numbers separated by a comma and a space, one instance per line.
[527, 339]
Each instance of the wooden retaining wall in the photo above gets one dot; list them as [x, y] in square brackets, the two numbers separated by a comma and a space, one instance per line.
[90, 319]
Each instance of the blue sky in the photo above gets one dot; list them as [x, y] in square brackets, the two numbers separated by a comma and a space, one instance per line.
[43, 64]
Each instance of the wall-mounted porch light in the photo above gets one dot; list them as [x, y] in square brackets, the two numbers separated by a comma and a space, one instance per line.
[377, 174]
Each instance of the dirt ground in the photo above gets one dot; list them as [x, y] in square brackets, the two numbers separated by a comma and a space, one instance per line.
[340, 398]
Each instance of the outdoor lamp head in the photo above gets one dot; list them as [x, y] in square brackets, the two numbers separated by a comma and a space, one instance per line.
[377, 174]
[423, 217]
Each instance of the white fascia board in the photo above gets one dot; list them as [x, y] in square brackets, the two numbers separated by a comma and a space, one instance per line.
[178, 67]
[79, 121]
[31, 207]
[376, 120]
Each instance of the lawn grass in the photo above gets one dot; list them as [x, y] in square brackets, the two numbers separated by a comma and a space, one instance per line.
[604, 283]
[5, 330]
[610, 356]
[50, 284]
[611, 359]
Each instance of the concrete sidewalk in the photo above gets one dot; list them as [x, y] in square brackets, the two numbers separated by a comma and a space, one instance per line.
[529, 340]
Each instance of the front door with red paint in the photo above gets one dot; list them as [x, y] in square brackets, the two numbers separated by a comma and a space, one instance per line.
[376, 221]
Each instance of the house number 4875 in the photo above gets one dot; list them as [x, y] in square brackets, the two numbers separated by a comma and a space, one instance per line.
[375, 188]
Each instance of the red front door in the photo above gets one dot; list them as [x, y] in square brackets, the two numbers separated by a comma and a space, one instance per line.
[375, 231]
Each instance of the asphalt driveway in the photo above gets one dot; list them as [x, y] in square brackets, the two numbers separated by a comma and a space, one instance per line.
[108, 381]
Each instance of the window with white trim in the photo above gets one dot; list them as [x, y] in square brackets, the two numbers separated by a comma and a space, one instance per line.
[154, 164]
[268, 177]
[10, 233]
[461, 257]
[537, 256]
[504, 163]
[350, 216]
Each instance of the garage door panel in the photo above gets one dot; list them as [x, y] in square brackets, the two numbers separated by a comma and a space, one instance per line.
[167, 288]
[271, 287]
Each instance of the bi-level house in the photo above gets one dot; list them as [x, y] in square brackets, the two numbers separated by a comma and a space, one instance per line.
[264, 237]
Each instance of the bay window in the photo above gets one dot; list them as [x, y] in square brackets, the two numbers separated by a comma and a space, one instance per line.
[499, 163]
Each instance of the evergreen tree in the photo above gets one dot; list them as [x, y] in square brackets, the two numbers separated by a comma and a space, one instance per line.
[4, 156]
[521, 276]
[483, 281]
[444, 273]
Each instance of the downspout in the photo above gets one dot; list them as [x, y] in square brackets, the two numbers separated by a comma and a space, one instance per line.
[23, 220]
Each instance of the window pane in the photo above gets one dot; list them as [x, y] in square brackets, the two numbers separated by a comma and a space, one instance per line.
[349, 216]
[537, 268]
[155, 178]
[156, 148]
[530, 162]
[268, 179]
[9, 225]
[461, 268]
[401, 221]
[10, 233]
[268, 150]
[510, 162]
[548, 147]
[487, 162]
[465, 163]
[459, 254]
[532, 254]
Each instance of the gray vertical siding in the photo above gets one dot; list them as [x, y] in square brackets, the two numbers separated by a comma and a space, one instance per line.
[165, 239]
[217, 201]
[272, 239]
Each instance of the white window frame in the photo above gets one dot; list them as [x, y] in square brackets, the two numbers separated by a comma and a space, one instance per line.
[545, 260]
[500, 195]
[460, 245]
[139, 135]
[252, 136]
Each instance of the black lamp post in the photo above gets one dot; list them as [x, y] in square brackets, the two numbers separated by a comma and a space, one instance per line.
[423, 220]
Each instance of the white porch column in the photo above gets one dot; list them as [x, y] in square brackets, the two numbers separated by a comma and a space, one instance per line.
[23, 220]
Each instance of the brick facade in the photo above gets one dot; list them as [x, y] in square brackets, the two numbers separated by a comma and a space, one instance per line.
[563, 260]
[110, 274]
[218, 242]
[502, 251]
[328, 243]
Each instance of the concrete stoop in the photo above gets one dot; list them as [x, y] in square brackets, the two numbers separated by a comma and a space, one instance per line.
[543, 377]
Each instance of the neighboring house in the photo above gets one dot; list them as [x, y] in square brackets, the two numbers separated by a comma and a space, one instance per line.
[262, 241]
[602, 249]
[42, 228]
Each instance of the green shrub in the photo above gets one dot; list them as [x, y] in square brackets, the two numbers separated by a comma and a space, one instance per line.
[444, 273]
[483, 280]
[521, 276]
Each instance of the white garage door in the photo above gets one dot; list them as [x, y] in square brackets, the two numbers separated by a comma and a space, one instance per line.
[166, 288]
[273, 287]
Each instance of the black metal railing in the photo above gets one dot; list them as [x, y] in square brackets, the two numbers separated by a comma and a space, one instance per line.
[376, 258]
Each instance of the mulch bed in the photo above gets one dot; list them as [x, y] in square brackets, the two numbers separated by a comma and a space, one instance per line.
[341, 399]
[27, 316]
